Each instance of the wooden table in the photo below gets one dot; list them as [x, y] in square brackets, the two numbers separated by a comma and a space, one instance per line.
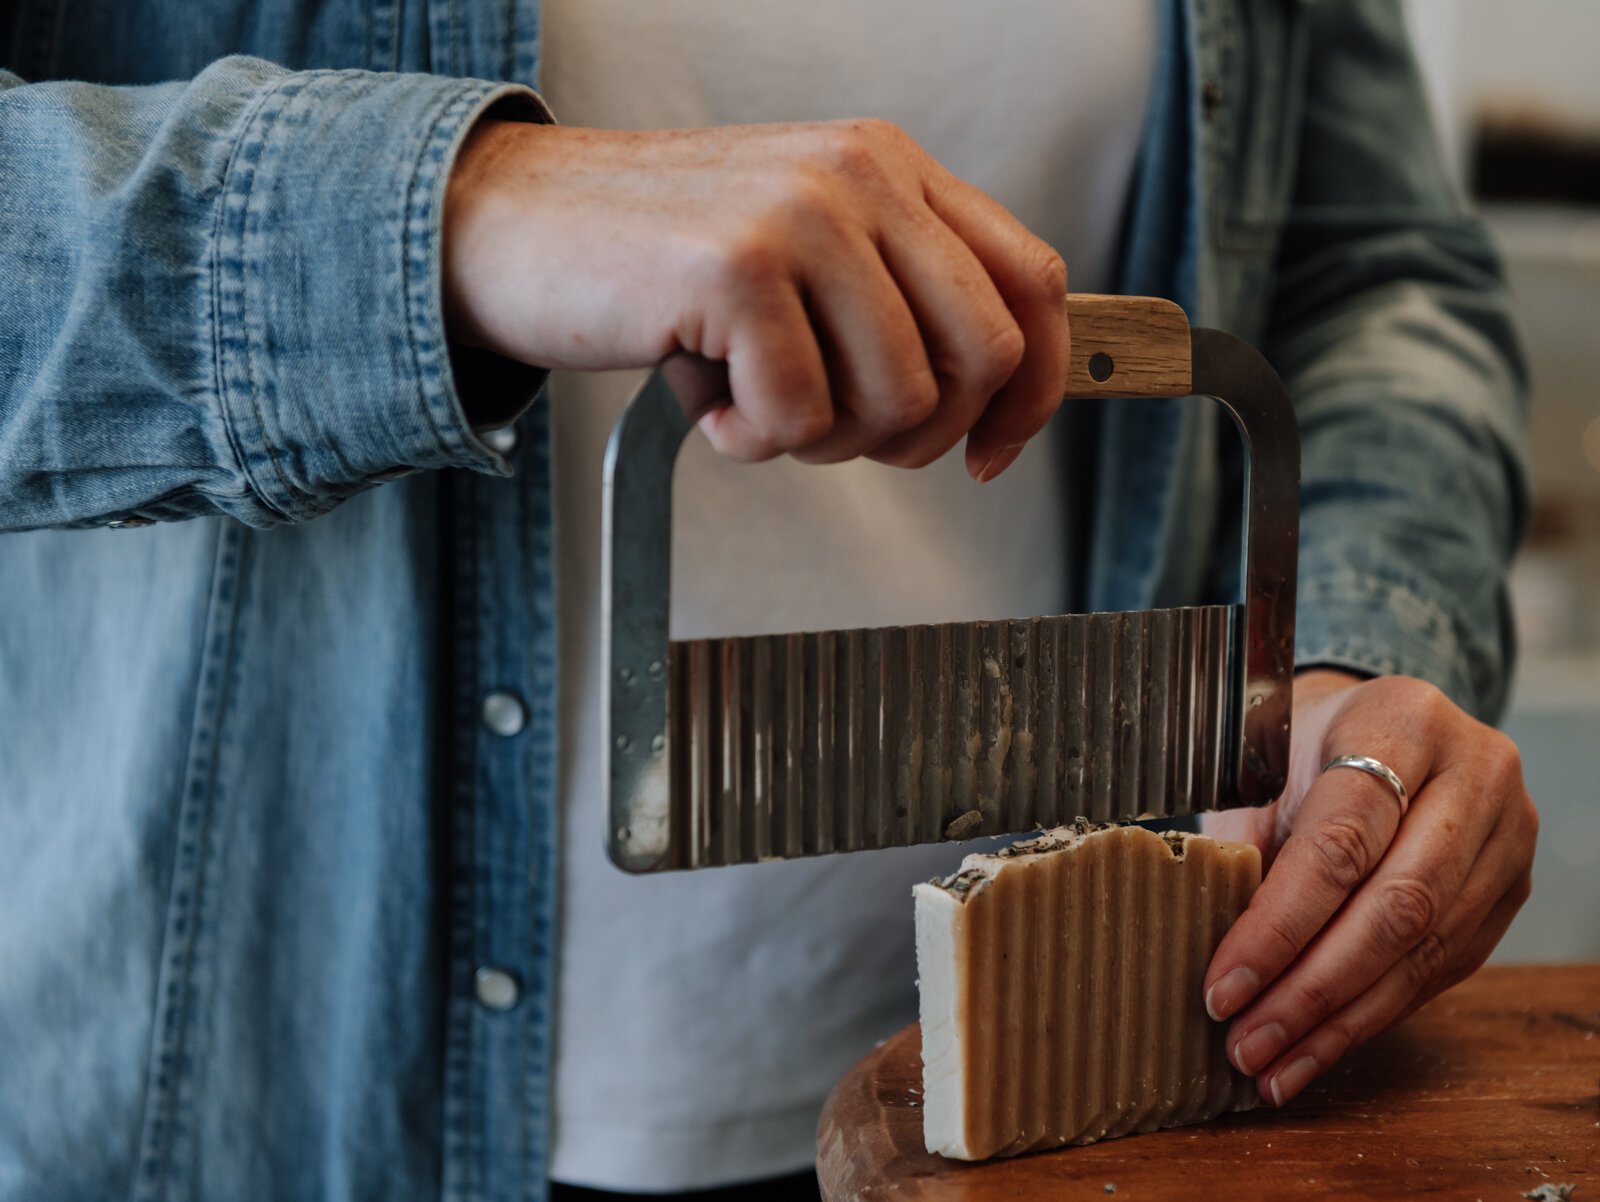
[1489, 1091]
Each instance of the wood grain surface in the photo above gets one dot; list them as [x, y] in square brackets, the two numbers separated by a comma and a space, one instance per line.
[1141, 341]
[1489, 1091]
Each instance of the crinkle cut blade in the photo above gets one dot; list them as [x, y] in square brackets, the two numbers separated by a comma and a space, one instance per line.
[805, 744]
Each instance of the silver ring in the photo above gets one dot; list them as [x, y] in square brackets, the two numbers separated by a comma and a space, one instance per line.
[1365, 763]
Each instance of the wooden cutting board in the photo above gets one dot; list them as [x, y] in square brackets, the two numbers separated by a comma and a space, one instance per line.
[1489, 1091]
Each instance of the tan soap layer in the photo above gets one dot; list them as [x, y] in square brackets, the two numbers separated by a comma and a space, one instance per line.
[1060, 986]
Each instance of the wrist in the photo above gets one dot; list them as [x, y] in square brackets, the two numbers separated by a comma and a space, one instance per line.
[477, 219]
[1313, 684]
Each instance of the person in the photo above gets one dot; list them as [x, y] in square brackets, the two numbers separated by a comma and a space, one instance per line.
[300, 866]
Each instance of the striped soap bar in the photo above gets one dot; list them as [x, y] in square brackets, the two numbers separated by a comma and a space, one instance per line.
[1060, 988]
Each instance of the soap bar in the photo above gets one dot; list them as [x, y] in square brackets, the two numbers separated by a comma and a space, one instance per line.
[1060, 983]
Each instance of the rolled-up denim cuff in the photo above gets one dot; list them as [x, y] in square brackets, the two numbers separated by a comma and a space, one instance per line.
[331, 353]
[1381, 627]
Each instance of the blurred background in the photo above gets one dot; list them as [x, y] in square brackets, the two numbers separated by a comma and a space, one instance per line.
[1516, 89]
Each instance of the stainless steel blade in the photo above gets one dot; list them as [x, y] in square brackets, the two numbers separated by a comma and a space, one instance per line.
[804, 744]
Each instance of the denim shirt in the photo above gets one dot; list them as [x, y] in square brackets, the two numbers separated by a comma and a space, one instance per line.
[277, 700]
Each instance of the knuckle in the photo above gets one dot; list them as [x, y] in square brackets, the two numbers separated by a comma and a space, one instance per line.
[1317, 1002]
[850, 147]
[916, 401]
[1426, 961]
[751, 448]
[1456, 972]
[1429, 703]
[798, 426]
[809, 195]
[1343, 855]
[1049, 272]
[746, 261]
[1278, 930]
[1419, 694]
[1522, 889]
[914, 457]
[912, 451]
[880, 130]
[1407, 911]
[1529, 814]
[996, 360]
[1420, 701]
[1506, 761]
[898, 408]
[1343, 1033]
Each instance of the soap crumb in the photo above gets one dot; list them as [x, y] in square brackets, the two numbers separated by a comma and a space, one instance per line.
[1550, 1192]
[1111, 1187]
[964, 827]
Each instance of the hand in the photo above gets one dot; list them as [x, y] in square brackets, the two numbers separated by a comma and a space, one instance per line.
[1363, 916]
[866, 301]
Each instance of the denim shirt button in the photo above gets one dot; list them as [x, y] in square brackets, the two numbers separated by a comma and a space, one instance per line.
[504, 714]
[503, 440]
[130, 524]
[496, 988]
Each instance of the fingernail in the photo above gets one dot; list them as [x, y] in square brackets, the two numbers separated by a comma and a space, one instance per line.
[1231, 992]
[1257, 1049]
[999, 461]
[1291, 1080]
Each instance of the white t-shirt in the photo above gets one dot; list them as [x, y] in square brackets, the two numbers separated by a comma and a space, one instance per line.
[702, 1017]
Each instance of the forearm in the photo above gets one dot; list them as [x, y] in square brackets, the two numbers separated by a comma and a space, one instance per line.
[1410, 395]
[222, 296]
[1392, 331]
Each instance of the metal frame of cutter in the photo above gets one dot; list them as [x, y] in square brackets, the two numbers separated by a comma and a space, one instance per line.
[737, 750]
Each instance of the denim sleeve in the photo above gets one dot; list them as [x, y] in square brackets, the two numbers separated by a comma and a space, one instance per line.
[1392, 331]
[223, 295]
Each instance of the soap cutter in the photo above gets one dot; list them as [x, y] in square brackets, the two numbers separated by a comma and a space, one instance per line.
[744, 749]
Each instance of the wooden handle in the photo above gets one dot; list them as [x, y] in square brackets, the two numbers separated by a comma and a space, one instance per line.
[1122, 346]
[1127, 346]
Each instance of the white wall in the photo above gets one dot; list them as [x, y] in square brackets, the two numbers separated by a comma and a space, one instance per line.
[1525, 56]
[1534, 53]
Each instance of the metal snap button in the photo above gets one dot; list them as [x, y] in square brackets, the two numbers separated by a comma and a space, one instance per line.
[503, 439]
[496, 988]
[504, 714]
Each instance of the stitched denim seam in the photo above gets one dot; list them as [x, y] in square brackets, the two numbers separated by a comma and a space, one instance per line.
[418, 242]
[227, 275]
[459, 1146]
[420, 266]
[221, 814]
[167, 1096]
[420, 339]
[249, 271]
[244, 164]
[482, 915]
[543, 883]
[154, 1098]
[297, 503]
[521, 533]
